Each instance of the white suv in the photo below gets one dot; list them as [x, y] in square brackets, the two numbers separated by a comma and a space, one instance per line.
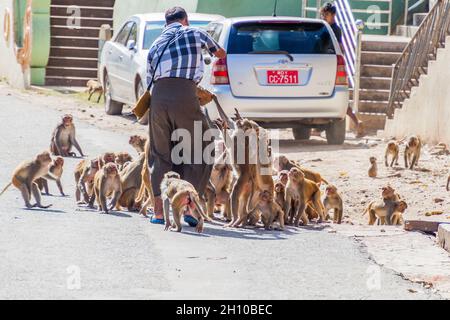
[283, 72]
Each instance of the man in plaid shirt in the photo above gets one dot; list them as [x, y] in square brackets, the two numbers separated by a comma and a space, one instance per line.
[174, 103]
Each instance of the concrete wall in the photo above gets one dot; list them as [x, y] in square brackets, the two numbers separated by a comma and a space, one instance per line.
[9, 68]
[427, 112]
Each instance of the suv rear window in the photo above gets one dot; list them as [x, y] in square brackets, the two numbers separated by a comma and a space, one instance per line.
[295, 38]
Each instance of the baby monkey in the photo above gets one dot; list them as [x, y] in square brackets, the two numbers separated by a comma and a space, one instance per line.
[184, 199]
[393, 150]
[384, 210]
[373, 169]
[55, 172]
[106, 185]
[333, 201]
[270, 210]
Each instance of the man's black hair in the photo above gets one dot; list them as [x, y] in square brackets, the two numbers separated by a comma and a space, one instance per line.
[328, 8]
[175, 14]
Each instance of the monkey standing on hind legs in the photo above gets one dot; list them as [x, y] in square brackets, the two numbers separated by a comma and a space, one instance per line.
[412, 152]
[25, 176]
[333, 201]
[106, 185]
[84, 179]
[63, 138]
[55, 173]
[183, 198]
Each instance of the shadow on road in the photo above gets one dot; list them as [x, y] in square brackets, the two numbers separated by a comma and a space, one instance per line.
[317, 144]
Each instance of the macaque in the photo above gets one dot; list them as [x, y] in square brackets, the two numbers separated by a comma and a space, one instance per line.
[122, 160]
[131, 178]
[269, 210]
[373, 168]
[183, 198]
[63, 138]
[397, 216]
[333, 201]
[283, 163]
[412, 152]
[283, 177]
[384, 210]
[84, 179]
[106, 185]
[393, 150]
[94, 87]
[24, 178]
[107, 157]
[55, 173]
[145, 194]
[138, 143]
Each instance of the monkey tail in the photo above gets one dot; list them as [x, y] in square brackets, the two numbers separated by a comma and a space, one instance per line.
[193, 197]
[325, 181]
[6, 188]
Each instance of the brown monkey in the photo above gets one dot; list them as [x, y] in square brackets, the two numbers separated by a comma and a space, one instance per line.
[107, 157]
[373, 168]
[106, 185]
[388, 193]
[383, 210]
[333, 201]
[25, 176]
[280, 193]
[131, 178]
[392, 149]
[219, 189]
[56, 170]
[283, 176]
[123, 159]
[397, 216]
[269, 209]
[183, 198]
[305, 192]
[93, 87]
[145, 190]
[412, 152]
[293, 199]
[84, 179]
[63, 138]
[138, 143]
[283, 163]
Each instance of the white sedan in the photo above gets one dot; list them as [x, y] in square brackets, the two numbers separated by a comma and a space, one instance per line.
[123, 66]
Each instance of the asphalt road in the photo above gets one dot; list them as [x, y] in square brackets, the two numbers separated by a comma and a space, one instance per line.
[68, 252]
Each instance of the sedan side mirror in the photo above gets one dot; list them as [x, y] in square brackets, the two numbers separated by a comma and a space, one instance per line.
[131, 45]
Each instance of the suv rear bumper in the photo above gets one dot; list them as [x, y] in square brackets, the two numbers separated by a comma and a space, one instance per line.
[281, 111]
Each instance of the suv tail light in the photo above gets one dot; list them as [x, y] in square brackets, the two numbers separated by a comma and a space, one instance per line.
[220, 72]
[341, 72]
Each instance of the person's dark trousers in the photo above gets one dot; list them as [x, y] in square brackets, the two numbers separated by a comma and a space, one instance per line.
[174, 105]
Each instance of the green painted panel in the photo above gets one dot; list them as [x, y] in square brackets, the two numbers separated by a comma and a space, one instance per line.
[233, 8]
[40, 40]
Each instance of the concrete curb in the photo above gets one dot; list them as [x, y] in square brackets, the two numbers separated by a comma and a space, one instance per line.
[444, 236]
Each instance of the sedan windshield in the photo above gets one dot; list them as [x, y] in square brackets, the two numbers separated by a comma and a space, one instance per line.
[153, 30]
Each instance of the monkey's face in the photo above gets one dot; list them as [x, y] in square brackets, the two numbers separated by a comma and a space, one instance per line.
[401, 206]
[111, 170]
[135, 140]
[387, 192]
[279, 187]
[44, 158]
[122, 157]
[331, 190]
[296, 175]
[172, 175]
[280, 162]
[94, 164]
[283, 177]
[59, 161]
[392, 145]
[373, 160]
[109, 157]
[413, 141]
[265, 196]
[67, 120]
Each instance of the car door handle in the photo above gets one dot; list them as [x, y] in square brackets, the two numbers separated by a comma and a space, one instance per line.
[120, 58]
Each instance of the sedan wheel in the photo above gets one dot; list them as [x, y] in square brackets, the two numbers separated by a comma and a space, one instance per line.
[112, 107]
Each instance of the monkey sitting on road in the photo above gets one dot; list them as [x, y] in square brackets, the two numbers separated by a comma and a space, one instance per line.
[269, 210]
[122, 160]
[63, 138]
[373, 169]
[412, 152]
[106, 185]
[183, 198]
[392, 149]
[55, 171]
[333, 201]
[397, 216]
[138, 143]
[84, 179]
[283, 163]
[25, 176]
[93, 87]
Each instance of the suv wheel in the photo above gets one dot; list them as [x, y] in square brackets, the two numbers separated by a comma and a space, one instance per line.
[301, 133]
[112, 107]
[336, 132]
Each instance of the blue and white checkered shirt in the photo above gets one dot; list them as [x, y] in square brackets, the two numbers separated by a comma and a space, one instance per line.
[183, 57]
